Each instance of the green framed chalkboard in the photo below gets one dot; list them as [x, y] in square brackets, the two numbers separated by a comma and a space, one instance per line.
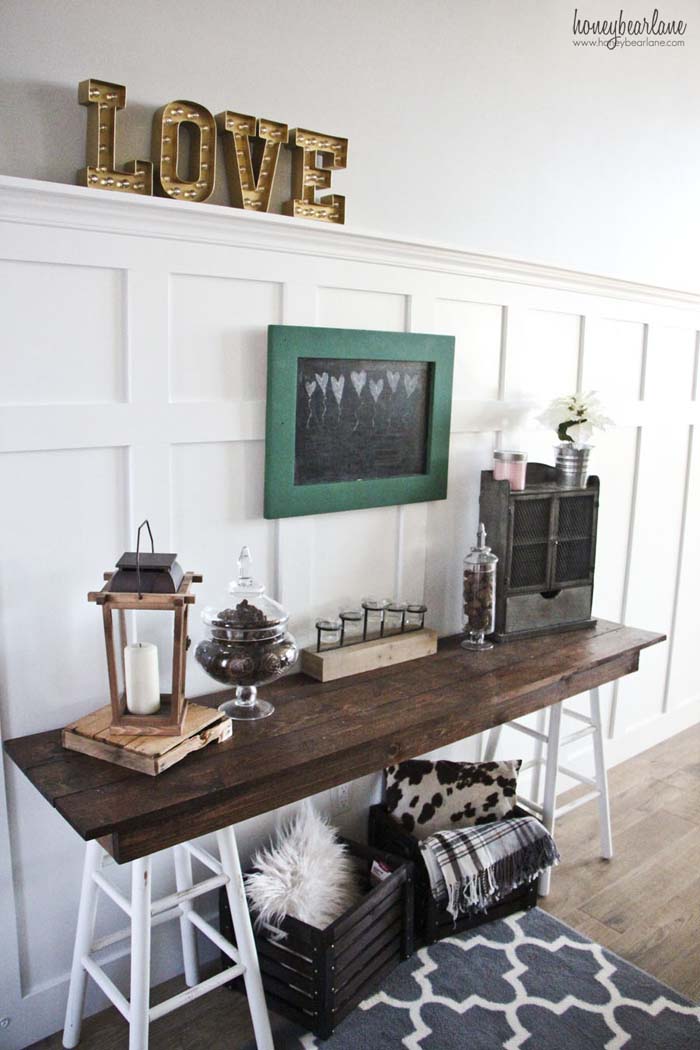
[355, 419]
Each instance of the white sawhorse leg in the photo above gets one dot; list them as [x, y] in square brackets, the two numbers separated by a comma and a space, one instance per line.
[140, 989]
[143, 913]
[235, 890]
[550, 785]
[548, 811]
[183, 881]
[601, 776]
[83, 943]
[491, 744]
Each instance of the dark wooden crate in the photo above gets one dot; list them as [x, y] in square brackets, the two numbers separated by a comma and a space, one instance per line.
[316, 977]
[431, 921]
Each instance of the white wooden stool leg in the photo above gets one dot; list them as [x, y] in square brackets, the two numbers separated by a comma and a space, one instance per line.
[188, 934]
[140, 953]
[536, 782]
[550, 784]
[601, 776]
[228, 851]
[83, 942]
[494, 735]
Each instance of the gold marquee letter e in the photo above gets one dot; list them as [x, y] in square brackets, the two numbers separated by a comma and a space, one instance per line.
[308, 175]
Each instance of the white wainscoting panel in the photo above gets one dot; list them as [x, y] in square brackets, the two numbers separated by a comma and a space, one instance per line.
[477, 331]
[66, 514]
[614, 357]
[218, 333]
[357, 308]
[64, 334]
[543, 354]
[654, 563]
[132, 375]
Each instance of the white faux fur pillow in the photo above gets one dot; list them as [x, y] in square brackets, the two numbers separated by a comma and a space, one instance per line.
[307, 874]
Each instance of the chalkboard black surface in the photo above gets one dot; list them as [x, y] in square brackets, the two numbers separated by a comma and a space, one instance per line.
[358, 419]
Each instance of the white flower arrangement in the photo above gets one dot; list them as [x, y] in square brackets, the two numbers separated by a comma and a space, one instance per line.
[576, 417]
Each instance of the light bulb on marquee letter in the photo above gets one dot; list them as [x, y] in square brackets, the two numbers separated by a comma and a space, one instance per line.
[166, 150]
[308, 175]
[102, 101]
[246, 191]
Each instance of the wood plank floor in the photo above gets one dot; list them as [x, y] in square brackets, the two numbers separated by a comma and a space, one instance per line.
[644, 904]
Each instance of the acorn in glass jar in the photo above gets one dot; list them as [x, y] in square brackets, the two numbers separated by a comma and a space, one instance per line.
[479, 594]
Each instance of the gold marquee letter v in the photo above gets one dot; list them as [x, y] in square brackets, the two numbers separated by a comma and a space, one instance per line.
[236, 130]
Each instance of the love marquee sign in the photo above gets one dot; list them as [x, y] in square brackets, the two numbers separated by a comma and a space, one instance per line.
[315, 156]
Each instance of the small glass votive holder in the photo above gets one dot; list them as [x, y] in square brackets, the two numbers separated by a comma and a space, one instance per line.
[328, 634]
[510, 466]
[415, 617]
[395, 618]
[374, 610]
[351, 630]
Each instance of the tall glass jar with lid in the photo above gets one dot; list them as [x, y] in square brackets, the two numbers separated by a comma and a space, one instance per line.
[479, 594]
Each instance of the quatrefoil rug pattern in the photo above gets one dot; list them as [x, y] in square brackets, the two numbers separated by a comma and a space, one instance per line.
[525, 982]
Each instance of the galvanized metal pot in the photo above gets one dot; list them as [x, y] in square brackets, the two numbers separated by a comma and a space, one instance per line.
[572, 466]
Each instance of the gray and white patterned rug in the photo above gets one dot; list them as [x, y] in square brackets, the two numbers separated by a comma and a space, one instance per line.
[528, 982]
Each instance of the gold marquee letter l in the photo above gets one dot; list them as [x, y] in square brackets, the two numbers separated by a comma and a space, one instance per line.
[102, 101]
[247, 191]
[308, 176]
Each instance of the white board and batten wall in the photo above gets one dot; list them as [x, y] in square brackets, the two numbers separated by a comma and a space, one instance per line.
[132, 383]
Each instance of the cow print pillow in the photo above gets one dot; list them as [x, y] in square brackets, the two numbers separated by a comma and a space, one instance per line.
[425, 797]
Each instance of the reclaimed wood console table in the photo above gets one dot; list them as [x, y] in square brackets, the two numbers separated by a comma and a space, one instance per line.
[322, 735]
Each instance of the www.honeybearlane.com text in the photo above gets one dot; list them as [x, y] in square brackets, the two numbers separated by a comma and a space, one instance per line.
[615, 30]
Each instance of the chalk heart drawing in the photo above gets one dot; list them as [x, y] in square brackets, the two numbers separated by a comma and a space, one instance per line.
[410, 383]
[394, 379]
[322, 381]
[337, 386]
[358, 380]
[375, 388]
[310, 387]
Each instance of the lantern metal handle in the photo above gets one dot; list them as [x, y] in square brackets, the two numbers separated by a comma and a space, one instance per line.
[138, 552]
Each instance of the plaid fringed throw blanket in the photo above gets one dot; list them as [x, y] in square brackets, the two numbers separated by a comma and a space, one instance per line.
[470, 868]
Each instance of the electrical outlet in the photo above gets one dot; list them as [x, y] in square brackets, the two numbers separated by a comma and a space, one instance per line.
[342, 798]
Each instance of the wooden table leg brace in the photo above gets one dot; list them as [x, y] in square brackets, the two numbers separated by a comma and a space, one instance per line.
[144, 913]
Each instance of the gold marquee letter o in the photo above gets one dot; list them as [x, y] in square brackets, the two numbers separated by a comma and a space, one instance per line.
[166, 150]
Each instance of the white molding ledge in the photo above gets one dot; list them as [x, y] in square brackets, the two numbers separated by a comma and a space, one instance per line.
[33, 202]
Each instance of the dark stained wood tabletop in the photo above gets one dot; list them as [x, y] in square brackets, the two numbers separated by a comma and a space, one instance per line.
[322, 735]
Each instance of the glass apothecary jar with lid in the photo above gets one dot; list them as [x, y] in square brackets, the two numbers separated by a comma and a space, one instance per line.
[479, 591]
[246, 643]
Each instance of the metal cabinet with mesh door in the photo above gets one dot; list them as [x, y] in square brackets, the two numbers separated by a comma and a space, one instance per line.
[545, 539]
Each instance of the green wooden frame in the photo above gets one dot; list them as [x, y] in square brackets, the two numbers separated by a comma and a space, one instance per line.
[286, 344]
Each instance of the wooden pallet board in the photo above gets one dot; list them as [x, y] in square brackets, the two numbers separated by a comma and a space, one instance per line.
[331, 664]
[93, 735]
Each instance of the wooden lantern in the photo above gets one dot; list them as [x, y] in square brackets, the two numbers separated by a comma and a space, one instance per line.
[158, 584]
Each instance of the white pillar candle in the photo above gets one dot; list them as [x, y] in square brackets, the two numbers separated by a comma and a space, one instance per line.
[142, 679]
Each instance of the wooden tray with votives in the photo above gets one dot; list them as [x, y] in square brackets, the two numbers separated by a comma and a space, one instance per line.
[331, 664]
[93, 735]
